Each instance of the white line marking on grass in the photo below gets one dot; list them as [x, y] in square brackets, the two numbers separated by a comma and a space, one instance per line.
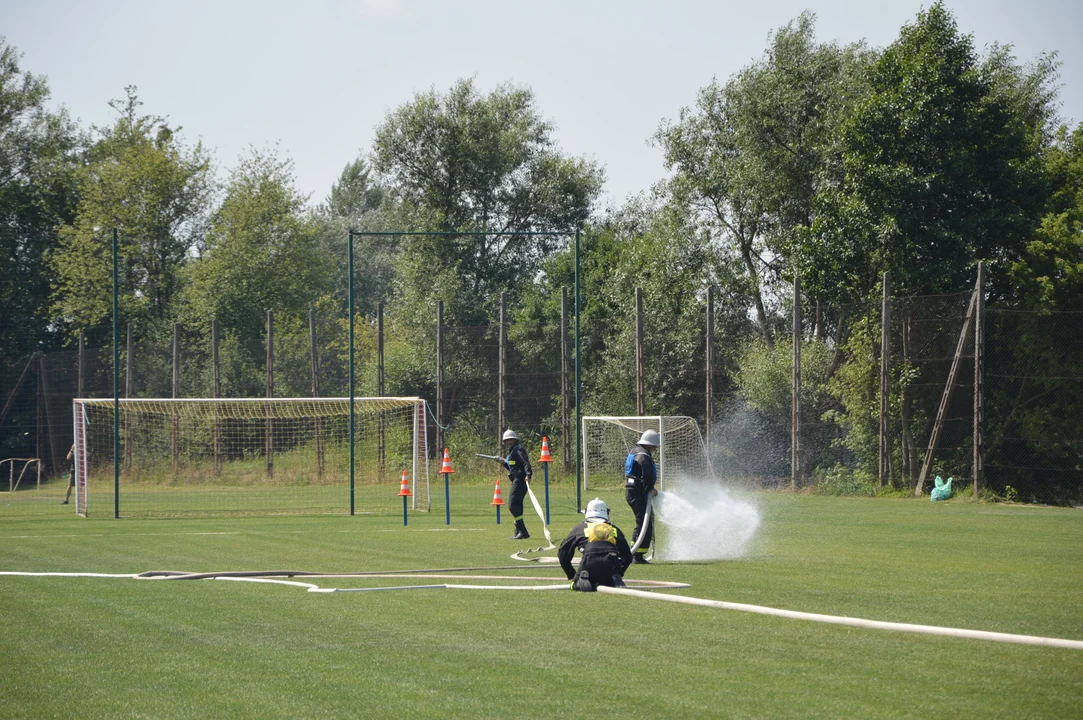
[856, 622]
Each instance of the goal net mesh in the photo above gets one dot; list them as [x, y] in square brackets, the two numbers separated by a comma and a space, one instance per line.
[250, 456]
[607, 440]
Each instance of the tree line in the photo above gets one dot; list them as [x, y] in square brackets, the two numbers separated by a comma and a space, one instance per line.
[833, 162]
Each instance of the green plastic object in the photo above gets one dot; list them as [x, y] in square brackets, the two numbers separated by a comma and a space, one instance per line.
[942, 491]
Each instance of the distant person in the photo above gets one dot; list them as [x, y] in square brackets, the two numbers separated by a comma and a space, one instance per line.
[640, 478]
[519, 473]
[71, 476]
[606, 554]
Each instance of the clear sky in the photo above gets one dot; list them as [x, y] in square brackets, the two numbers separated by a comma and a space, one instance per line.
[318, 76]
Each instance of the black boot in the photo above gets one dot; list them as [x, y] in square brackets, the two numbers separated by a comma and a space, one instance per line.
[640, 559]
[520, 531]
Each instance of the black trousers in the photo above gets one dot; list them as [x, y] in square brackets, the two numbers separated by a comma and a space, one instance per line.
[602, 567]
[516, 497]
[637, 500]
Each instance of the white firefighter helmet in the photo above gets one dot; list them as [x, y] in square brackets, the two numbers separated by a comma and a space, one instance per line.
[509, 435]
[597, 511]
[649, 438]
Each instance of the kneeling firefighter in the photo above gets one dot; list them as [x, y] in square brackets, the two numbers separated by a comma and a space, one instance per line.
[606, 554]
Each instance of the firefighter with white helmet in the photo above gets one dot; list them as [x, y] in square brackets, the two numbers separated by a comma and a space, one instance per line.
[640, 479]
[606, 554]
[517, 464]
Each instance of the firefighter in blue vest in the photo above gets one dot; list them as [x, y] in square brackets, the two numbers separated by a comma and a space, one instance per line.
[640, 478]
[519, 473]
[606, 554]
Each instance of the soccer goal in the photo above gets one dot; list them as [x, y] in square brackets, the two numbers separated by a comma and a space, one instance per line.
[607, 440]
[201, 456]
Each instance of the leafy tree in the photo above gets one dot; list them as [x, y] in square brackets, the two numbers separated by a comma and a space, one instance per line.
[748, 159]
[463, 161]
[141, 180]
[647, 244]
[1049, 274]
[260, 253]
[357, 202]
[942, 168]
[354, 193]
[38, 156]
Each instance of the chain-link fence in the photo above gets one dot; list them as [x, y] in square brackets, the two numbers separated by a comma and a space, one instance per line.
[481, 379]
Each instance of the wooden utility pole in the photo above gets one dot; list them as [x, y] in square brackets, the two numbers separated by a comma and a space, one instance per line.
[502, 371]
[174, 437]
[82, 364]
[129, 391]
[945, 399]
[54, 456]
[216, 391]
[269, 431]
[884, 472]
[795, 409]
[380, 349]
[709, 391]
[129, 364]
[439, 377]
[381, 447]
[979, 380]
[641, 408]
[314, 362]
[565, 385]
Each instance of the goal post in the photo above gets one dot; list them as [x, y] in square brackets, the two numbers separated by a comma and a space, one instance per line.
[258, 456]
[607, 440]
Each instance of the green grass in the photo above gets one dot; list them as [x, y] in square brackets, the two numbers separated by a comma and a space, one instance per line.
[176, 649]
[284, 494]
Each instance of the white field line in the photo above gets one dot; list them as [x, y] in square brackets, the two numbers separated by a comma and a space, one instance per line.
[856, 622]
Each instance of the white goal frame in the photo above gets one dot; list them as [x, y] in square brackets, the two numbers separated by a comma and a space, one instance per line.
[638, 424]
[419, 431]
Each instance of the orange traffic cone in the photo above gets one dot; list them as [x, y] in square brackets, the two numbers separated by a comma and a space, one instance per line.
[404, 490]
[545, 456]
[446, 467]
[498, 497]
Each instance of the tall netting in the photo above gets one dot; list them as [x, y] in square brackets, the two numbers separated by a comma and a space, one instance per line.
[834, 338]
[607, 440]
[925, 337]
[249, 456]
[1033, 424]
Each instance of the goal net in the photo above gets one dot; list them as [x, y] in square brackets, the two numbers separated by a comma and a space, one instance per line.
[607, 440]
[200, 456]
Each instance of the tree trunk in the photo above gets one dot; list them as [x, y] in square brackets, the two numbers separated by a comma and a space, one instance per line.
[761, 315]
[906, 407]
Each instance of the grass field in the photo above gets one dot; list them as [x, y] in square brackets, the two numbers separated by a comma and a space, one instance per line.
[122, 648]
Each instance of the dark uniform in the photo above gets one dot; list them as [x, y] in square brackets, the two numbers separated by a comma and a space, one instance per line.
[640, 477]
[606, 555]
[519, 473]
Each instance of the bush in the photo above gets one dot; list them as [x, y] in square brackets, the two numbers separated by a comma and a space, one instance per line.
[841, 480]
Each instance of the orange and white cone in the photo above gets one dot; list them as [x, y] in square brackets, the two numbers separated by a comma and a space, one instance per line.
[446, 467]
[498, 497]
[545, 456]
[404, 489]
